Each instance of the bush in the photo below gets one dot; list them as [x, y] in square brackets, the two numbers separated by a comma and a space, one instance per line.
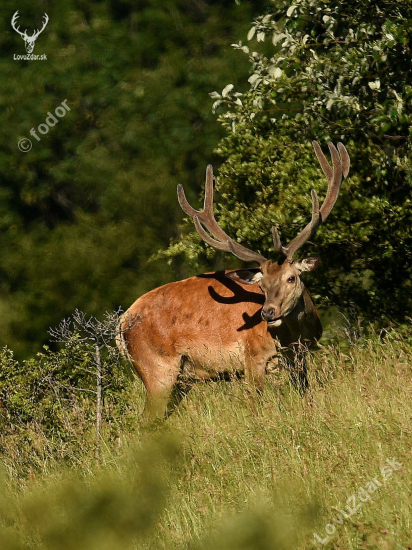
[49, 402]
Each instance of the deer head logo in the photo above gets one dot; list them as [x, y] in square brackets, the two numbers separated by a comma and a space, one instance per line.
[29, 41]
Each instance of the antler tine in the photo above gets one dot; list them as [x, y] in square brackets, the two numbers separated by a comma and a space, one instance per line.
[208, 216]
[309, 230]
[334, 177]
[181, 197]
[304, 235]
[209, 187]
[344, 155]
[327, 170]
[207, 219]
[46, 20]
[279, 249]
[341, 166]
[13, 23]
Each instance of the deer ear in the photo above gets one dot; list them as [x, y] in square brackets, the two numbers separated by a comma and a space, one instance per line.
[245, 276]
[308, 264]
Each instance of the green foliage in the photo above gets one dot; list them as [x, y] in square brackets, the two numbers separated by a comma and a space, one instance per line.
[82, 212]
[326, 71]
[48, 404]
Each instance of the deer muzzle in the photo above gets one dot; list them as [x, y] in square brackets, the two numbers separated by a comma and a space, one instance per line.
[269, 315]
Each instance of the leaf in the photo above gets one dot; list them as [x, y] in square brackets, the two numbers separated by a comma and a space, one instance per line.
[216, 104]
[275, 71]
[227, 89]
[251, 33]
[277, 37]
[374, 85]
[291, 10]
[254, 78]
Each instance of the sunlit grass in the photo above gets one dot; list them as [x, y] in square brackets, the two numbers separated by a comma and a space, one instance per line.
[247, 474]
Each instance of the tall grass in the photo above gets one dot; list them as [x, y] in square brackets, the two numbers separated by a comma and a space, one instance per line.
[241, 474]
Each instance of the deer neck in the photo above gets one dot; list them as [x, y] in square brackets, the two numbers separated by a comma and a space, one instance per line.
[303, 322]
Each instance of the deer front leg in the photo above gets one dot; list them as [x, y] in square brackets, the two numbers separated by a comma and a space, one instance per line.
[255, 374]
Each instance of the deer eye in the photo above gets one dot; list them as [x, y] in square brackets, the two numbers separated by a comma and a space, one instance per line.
[291, 279]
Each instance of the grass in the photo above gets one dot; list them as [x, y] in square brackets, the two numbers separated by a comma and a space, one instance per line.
[225, 472]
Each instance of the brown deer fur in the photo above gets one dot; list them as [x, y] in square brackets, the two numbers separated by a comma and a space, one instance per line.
[228, 322]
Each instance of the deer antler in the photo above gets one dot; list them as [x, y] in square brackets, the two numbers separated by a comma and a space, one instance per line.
[13, 24]
[206, 219]
[46, 20]
[341, 165]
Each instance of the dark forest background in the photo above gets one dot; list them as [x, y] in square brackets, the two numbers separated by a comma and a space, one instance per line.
[85, 209]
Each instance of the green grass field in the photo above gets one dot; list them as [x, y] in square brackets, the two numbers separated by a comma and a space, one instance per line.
[226, 472]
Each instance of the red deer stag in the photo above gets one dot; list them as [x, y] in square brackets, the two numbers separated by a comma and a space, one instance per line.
[231, 321]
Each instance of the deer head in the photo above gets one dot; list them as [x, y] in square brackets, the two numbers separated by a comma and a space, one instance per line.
[279, 281]
[29, 41]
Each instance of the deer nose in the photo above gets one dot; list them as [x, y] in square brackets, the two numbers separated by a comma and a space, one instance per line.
[268, 314]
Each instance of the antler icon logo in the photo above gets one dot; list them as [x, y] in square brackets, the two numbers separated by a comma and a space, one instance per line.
[29, 41]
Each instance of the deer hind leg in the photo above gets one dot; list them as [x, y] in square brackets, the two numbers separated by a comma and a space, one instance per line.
[159, 377]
